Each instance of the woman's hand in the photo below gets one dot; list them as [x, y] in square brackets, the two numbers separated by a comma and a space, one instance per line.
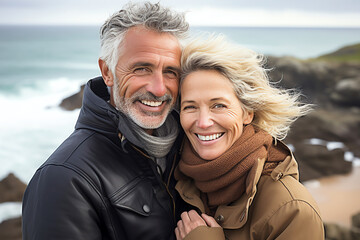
[191, 220]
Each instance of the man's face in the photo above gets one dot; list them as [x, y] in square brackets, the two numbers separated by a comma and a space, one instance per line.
[147, 76]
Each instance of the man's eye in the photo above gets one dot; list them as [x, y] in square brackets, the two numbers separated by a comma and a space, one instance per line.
[141, 70]
[171, 73]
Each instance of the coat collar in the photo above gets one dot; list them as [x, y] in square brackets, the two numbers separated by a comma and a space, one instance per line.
[235, 215]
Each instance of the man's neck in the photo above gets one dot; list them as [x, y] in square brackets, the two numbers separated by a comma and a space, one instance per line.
[149, 131]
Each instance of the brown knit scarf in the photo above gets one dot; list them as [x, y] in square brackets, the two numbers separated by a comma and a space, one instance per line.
[223, 179]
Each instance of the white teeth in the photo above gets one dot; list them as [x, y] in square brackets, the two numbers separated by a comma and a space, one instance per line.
[151, 103]
[209, 137]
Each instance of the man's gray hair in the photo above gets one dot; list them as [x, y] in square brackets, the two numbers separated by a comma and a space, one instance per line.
[151, 16]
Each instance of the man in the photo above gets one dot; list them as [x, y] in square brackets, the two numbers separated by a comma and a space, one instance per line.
[113, 177]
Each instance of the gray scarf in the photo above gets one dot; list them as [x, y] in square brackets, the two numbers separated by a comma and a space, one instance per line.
[157, 145]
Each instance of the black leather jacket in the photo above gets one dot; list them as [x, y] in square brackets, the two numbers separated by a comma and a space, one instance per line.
[92, 188]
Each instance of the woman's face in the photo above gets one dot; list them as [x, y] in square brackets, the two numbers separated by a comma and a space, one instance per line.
[211, 114]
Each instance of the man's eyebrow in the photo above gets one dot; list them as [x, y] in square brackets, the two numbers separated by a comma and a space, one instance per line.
[176, 69]
[142, 64]
[147, 64]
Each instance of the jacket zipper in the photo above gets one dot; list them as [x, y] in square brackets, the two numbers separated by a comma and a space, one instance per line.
[166, 185]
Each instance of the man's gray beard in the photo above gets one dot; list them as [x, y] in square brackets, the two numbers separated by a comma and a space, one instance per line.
[124, 105]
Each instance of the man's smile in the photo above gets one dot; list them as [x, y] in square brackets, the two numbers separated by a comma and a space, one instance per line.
[151, 103]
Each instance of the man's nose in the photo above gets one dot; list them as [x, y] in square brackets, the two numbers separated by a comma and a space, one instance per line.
[157, 85]
[204, 119]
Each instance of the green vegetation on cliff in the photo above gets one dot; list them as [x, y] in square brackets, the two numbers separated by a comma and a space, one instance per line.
[346, 54]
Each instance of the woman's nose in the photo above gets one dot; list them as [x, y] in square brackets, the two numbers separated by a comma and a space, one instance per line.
[204, 119]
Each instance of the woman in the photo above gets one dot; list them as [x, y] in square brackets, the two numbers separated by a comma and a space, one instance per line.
[234, 170]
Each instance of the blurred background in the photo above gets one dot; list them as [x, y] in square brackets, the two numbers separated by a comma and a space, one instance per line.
[49, 49]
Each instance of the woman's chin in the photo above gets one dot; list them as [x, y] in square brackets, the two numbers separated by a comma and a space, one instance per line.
[209, 155]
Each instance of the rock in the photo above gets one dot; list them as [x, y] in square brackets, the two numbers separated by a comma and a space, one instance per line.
[355, 220]
[11, 229]
[330, 124]
[74, 101]
[316, 79]
[307, 172]
[347, 92]
[337, 232]
[355, 228]
[11, 189]
[334, 89]
[320, 160]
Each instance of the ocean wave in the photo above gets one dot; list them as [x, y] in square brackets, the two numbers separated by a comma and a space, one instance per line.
[28, 88]
[32, 125]
[54, 64]
[10, 210]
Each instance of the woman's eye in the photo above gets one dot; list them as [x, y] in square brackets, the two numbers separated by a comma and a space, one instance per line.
[188, 108]
[219, 106]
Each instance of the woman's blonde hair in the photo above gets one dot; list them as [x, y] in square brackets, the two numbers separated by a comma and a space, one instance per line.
[274, 109]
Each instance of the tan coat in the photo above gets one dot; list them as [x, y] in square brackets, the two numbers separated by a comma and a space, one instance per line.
[273, 207]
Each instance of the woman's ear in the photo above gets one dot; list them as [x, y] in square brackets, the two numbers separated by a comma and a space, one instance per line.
[248, 117]
[106, 73]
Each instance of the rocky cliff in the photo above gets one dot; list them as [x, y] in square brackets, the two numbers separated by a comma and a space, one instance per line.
[334, 89]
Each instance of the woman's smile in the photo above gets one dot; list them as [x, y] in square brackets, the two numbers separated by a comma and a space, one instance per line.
[209, 137]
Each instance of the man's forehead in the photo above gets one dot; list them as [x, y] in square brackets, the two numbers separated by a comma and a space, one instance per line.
[150, 47]
[140, 38]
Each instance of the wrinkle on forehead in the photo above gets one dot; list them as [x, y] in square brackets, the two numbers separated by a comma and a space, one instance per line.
[136, 40]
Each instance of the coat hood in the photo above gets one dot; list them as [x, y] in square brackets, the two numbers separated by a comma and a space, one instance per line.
[97, 113]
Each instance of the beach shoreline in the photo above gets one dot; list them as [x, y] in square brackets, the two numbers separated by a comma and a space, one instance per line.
[338, 196]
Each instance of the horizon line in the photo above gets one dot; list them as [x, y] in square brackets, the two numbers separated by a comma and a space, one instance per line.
[195, 25]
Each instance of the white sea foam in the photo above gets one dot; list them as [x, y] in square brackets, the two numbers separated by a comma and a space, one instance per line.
[61, 65]
[316, 141]
[334, 145]
[10, 210]
[291, 147]
[348, 156]
[356, 162]
[312, 184]
[32, 126]
[53, 64]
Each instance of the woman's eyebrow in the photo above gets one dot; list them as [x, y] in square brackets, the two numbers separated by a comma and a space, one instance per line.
[188, 101]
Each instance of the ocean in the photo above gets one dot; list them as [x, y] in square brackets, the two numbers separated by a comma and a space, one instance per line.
[41, 65]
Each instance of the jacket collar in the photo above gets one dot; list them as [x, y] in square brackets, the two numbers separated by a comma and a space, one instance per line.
[96, 113]
[235, 215]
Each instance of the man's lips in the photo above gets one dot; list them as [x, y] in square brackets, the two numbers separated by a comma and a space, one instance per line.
[151, 103]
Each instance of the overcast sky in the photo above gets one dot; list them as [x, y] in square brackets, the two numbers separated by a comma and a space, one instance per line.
[298, 13]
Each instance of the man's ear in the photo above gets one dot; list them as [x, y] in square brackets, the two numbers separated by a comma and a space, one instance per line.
[106, 73]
